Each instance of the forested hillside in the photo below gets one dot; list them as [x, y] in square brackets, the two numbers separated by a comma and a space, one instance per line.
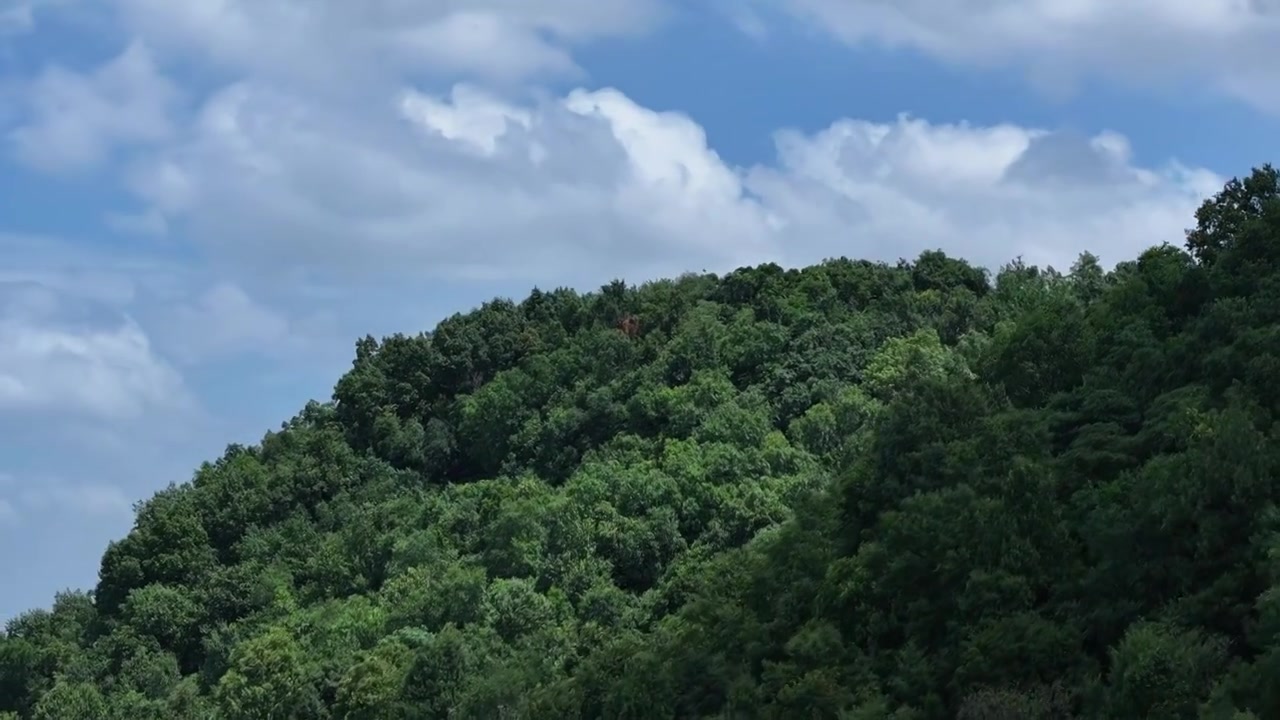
[855, 490]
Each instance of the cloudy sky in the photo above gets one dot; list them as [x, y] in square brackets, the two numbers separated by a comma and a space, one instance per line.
[203, 203]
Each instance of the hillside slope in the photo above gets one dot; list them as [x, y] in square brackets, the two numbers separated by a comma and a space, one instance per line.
[855, 490]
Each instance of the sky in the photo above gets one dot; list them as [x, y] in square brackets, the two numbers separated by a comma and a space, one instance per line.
[204, 203]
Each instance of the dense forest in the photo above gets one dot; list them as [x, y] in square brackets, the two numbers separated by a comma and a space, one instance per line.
[855, 490]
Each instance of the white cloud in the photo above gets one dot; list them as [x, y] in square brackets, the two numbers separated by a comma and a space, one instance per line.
[277, 174]
[75, 119]
[592, 185]
[987, 194]
[471, 117]
[465, 184]
[223, 320]
[327, 42]
[1232, 46]
[52, 362]
[183, 310]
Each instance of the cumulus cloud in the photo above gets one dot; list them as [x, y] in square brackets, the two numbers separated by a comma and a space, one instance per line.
[108, 372]
[460, 185]
[592, 184]
[278, 174]
[988, 194]
[75, 119]
[66, 348]
[1231, 45]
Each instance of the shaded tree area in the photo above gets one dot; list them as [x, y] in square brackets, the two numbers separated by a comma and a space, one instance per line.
[851, 491]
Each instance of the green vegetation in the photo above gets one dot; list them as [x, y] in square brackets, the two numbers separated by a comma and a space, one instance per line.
[855, 490]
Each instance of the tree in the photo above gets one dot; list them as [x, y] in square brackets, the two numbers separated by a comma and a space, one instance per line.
[268, 680]
[1221, 219]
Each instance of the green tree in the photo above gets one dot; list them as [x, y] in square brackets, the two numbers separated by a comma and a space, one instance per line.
[269, 679]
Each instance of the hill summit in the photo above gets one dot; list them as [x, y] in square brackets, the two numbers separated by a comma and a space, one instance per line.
[853, 491]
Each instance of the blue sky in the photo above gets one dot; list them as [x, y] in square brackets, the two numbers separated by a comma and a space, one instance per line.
[203, 204]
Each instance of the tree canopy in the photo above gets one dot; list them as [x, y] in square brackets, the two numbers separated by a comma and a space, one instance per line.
[855, 490]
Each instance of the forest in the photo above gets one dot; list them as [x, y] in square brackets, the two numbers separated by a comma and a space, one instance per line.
[857, 490]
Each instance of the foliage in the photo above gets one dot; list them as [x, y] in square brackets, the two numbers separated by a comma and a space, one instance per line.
[853, 490]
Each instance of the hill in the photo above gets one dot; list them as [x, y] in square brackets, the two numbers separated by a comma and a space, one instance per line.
[855, 490]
